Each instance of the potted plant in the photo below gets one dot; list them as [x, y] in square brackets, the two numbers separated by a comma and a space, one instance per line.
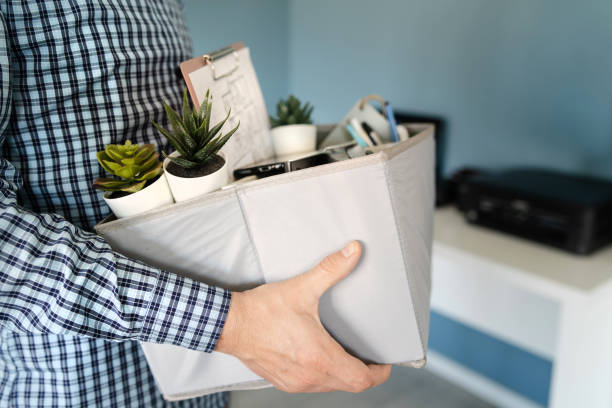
[196, 167]
[139, 184]
[292, 129]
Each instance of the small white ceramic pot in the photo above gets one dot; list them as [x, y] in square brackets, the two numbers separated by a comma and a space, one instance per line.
[184, 188]
[156, 195]
[291, 139]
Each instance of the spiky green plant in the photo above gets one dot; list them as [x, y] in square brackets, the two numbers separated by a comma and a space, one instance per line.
[132, 164]
[291, 112]
[192, 136]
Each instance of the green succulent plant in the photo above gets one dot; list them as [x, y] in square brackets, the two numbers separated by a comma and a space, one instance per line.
[291, 112]
[192, 135]
[132, 164]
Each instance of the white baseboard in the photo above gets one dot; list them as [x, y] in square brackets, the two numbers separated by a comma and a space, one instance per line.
[476, 383]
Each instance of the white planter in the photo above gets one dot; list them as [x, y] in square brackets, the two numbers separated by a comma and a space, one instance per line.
[184, 188]
[291, 139]
[156, 195]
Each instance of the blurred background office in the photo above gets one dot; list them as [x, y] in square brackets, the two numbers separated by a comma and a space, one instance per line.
[518, 83]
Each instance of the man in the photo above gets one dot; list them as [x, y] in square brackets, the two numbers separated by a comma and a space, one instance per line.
[76, 76]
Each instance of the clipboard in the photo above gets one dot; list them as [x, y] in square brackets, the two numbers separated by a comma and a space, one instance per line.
[229, 74]
[189, 66]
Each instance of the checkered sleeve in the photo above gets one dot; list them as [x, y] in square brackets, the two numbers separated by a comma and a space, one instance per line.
[57, 278]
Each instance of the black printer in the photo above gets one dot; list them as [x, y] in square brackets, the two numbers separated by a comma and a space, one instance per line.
[563, 210]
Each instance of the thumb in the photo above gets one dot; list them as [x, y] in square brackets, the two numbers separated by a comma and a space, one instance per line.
[333, 268]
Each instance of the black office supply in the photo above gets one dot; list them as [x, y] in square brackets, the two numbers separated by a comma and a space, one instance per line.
[279, 167]
[369, 131]
[566, 211]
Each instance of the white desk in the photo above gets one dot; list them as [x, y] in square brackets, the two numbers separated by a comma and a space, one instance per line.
[552, 303]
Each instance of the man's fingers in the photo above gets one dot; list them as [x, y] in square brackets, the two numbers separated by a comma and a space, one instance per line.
[351, 371]
[367, 377]
[333, 268]
[380, 373]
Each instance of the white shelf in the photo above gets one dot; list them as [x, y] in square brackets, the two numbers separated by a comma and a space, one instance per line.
[541, 269]
[544, 300]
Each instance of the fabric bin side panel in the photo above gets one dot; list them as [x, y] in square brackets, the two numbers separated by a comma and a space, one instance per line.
[411, 187]
[183, 373]
[207, 242]
[294, 225]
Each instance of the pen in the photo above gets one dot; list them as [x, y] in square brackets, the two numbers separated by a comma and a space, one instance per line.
[392, 123]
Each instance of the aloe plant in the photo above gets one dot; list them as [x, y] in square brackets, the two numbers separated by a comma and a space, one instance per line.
[131, 164]
[192, 134]
[291, 112]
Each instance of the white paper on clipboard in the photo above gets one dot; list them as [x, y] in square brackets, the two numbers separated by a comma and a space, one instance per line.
[233, 83]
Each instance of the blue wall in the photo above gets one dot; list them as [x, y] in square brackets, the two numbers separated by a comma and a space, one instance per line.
[520, 82]
[261, 24]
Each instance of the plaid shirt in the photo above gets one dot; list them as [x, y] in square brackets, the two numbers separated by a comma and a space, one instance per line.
[75, 76]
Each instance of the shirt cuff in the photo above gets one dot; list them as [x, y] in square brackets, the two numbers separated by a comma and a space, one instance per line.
[186, 313]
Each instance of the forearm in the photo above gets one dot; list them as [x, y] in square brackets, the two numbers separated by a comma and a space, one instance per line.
[57, 278]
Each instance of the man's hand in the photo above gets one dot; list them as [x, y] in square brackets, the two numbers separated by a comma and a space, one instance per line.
[275, 331]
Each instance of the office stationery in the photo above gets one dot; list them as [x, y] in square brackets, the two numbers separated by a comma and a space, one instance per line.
[230, 76]
[373, 143]
[355, 135]
[356, 125]
[363, 112]
[391, 119]
[279, 167]
[372, 133]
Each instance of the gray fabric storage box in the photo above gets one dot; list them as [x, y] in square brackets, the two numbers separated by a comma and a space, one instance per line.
[275, 228]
